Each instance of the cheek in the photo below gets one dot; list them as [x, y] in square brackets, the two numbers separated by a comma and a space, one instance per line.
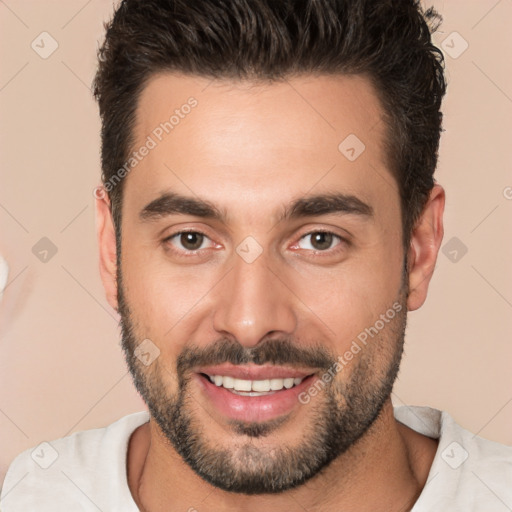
[353, 295]
[164, 299]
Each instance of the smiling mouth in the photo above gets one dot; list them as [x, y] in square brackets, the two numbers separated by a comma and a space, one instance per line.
[245, 387]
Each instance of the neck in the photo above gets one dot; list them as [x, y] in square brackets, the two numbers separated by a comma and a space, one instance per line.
[388, 466]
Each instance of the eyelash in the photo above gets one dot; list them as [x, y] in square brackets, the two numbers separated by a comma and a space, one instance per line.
[342, 242]
[184, 253]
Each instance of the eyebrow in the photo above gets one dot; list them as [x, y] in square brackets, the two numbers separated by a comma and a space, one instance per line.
[171, 203]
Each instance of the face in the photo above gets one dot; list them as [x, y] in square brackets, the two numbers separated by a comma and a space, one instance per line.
[261, 267]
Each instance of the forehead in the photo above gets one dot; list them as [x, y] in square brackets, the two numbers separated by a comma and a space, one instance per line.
[241, 141]
[318, 109]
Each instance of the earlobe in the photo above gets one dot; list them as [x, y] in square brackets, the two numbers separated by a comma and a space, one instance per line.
[107, 246]
[426, 240]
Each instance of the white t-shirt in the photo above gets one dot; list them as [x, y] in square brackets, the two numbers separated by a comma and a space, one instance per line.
[86, 471]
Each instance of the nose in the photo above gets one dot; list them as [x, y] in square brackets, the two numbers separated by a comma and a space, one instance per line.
[253, 302]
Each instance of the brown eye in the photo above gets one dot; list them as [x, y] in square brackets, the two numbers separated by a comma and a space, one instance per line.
[191, 241]
[188, 241]
[319, 241]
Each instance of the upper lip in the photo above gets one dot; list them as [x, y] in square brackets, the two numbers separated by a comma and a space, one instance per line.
[255, 372]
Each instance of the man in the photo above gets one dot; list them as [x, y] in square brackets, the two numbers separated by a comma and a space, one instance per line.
[268, 217]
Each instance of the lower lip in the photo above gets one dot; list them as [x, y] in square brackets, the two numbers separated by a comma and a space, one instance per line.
[253, 408]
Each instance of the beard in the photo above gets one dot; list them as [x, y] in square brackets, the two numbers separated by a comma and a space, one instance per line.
[342, 412]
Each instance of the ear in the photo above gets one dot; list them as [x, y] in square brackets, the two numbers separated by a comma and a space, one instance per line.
[426, 240]
[107, 245]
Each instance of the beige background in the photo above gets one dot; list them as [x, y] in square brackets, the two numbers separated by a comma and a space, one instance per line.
[61, 368]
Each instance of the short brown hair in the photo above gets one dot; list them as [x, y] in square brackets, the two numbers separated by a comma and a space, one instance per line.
[389, 41]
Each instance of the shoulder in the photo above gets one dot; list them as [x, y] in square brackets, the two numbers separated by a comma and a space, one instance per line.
[82, 468]
[468, 471]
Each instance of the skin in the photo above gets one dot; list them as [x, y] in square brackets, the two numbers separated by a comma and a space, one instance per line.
[251, 149]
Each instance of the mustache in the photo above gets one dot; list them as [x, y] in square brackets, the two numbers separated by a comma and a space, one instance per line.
[274, 351]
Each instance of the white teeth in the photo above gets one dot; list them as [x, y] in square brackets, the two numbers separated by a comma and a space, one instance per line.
[228, 382]
[276, 384]
[242, 385]
[254, 387]
[250, 393]
[261, 385]
[288, 383]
